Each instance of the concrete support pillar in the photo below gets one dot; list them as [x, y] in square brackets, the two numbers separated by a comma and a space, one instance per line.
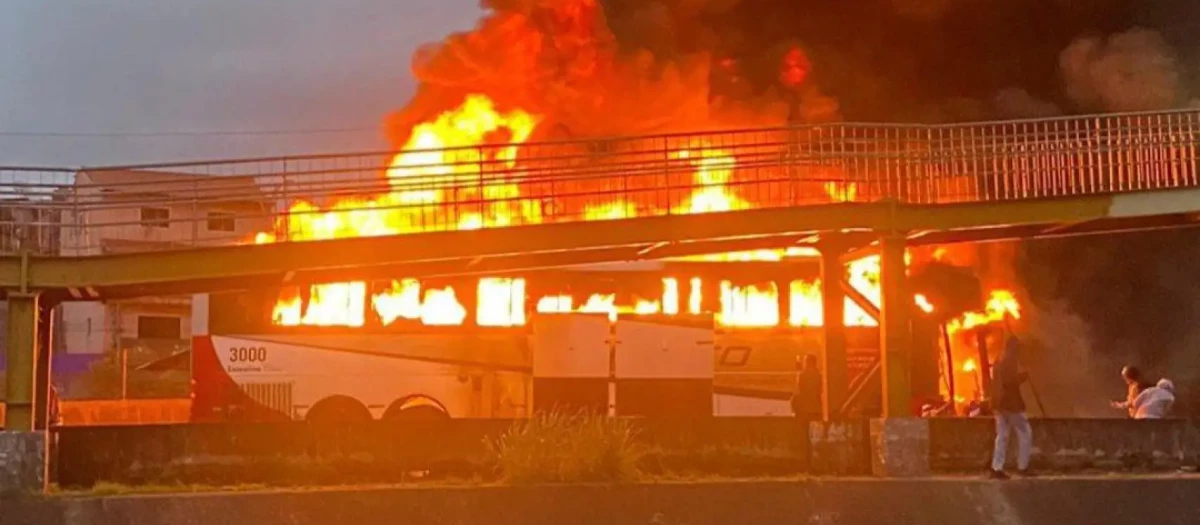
[833, 308]
[42, 364]
[22, 463]
[900, 447]
[22, 339]
[895, 330]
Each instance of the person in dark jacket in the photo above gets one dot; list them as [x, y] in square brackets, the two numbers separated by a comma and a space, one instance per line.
[1009, 409]
[806, 400]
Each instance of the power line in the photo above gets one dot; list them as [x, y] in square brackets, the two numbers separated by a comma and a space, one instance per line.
[195, 133]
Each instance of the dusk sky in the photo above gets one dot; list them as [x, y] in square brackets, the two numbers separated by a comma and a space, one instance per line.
[149, 66]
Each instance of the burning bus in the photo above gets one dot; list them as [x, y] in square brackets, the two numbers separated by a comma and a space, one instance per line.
[661, 338]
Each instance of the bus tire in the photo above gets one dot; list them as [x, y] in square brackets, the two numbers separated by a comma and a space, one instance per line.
[416, 407]
[338, 409]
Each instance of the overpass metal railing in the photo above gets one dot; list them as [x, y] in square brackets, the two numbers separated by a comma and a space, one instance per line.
[166, 206]
[28, 221]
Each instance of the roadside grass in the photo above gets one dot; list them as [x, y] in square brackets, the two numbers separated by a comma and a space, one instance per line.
[558, 447]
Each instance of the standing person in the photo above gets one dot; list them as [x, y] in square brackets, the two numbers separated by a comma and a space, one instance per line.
[1009, 409]
[54, 416]
[1134, 384]
[806, 399]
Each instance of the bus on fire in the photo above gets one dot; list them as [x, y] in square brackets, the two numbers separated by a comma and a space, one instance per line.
[624, 340]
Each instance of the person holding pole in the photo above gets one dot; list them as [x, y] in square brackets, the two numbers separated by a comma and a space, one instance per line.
[1009, 408]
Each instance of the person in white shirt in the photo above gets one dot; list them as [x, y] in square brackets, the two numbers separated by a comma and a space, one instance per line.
[1154, 402]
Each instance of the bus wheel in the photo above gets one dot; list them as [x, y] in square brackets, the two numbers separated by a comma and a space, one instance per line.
[338, 409]
[415, 408]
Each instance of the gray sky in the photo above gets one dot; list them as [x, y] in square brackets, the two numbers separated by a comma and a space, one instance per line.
[145, 66]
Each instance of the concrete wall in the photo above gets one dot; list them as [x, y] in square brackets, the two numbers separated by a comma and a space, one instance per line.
[845, 502]
[1067, 445]
[289, 454]
[379, 452]
[122, 412]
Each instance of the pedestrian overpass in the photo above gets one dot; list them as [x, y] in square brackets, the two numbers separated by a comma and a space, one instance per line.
[166, 229]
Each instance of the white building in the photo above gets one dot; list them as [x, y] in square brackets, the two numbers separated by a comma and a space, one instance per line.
[122, 211]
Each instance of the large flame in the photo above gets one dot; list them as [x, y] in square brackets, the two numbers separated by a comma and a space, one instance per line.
[472, 154]
[714, 169]
[444, 155]
[1001, 304]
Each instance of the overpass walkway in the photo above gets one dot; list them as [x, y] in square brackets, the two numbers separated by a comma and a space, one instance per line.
[189, 227]
[198, 227]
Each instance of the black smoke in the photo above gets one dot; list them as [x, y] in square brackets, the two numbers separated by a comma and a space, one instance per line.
[936, 60]
[1137, 295]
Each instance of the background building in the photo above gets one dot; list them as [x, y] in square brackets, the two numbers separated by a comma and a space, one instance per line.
[120, 211]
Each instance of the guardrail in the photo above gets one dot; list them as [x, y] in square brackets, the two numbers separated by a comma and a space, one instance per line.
[167, 206]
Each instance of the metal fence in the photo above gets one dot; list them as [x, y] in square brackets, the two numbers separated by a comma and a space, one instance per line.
[164, 206]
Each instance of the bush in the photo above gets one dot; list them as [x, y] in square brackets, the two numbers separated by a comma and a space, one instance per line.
[565, 448]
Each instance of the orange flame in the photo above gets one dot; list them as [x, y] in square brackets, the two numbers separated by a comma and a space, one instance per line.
[448, 160]
[970, 366]
[501, 302]
[841, 191]
[749, 305]
[1001, 304]
[714, 169]
[339, 304]
[420, 174]
[404, 300]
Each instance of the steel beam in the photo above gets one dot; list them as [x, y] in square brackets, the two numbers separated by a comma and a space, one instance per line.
[833, 310]
[155, 269]
[866, 250]
[43, 362]
[860, 300]
[939, 217]
[151, 268]
[895, 330]
[22, 339]
[1057, 231]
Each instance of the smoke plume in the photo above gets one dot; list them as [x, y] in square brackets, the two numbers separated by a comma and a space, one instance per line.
[1131, 71]
[1018, 103]
[1069, 377]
